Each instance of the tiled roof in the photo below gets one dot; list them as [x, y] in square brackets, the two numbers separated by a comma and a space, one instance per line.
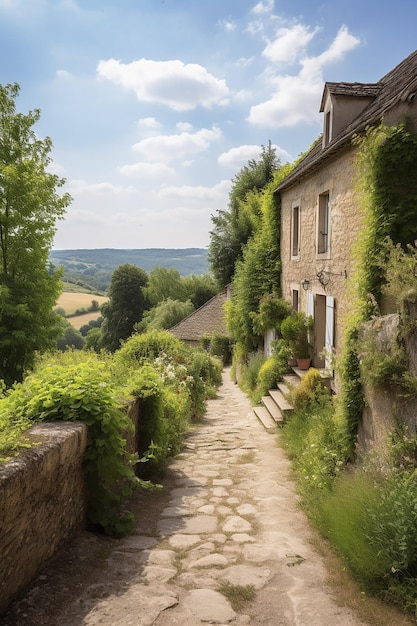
[398, 85]
[364, 90]
[208, 319]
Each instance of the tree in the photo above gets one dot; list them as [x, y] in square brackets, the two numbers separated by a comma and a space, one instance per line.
[199, 288]
[258, 273]
[29, 208]
[234, 227]
[71, 338]
[164, 283]
[126, 305]
[165, 315]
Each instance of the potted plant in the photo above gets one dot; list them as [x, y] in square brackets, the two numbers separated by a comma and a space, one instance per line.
[295, 330]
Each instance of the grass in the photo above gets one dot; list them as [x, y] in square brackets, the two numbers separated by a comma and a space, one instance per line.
[238, 595]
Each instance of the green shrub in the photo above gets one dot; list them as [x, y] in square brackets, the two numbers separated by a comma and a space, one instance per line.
[220, 346]
[372, 521]
[270, 373]
[69, 389]
[250, 371]
[342, 515]
[163, 420]
[315, 439]
[149, 346]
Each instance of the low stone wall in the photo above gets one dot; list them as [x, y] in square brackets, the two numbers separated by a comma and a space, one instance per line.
[42, 503]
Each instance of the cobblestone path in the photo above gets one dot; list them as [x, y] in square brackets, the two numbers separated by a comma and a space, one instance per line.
[227, 524]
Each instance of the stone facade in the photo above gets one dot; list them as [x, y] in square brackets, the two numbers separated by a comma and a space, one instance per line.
[321, 214]
[42, 503]
[337, 263]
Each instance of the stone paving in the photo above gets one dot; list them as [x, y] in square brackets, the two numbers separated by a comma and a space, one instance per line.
[231, 522]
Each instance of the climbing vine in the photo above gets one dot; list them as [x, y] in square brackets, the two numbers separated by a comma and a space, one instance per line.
[387, 190]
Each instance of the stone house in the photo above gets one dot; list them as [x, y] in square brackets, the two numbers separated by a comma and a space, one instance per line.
[320, 213]
[208, 319]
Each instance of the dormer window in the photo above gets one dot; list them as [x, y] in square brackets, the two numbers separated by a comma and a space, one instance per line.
[342, 103]
[327, 129]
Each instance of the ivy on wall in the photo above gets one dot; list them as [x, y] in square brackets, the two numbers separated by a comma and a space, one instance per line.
[259, 271]
[387, 188]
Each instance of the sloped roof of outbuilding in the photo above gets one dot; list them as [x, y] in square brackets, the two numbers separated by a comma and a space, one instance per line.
[400, 84]
[208, 319]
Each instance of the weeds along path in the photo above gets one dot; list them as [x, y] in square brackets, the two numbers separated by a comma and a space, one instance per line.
[223, 542]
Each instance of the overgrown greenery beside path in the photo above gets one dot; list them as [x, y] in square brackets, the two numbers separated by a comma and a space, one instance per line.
[171, 383]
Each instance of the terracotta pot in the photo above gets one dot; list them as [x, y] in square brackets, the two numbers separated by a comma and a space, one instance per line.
[303, 364]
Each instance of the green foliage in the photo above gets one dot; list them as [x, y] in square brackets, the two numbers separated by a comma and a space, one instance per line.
[295, 330]
[164, 284]
[93, 340]
[380, 365]
[149, 346]
[218, 345]
[250, 368]
[372, 521]
[314, 437]
[199, 289]
[71, 338]
[29, 209]
[259, 272]
[400, 273]
[165, 315]
[81, 390]
[342, 516]
[126, 305]
[272, 311]
[269, 374]
[387, 161]
[234, 227]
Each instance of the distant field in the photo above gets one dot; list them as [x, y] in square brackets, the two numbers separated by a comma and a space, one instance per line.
[81, 320]
[70, 302]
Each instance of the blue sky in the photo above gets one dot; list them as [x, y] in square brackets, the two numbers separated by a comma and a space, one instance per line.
[153, 106]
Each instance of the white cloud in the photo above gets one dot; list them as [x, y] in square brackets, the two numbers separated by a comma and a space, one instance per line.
[236, 158]
[197, 195]
[288, 43]
[296, 97]
[78, 186]
[180, 86]
[149, 122]
[64, 74]
[146, 170]
[163, 148]
[263, 7]
[228, 25]
[184, 126]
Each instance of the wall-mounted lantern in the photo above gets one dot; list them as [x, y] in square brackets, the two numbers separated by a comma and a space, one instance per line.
[305, 284]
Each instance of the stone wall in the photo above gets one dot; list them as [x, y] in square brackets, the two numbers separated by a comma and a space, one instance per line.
[42, 503]
[387, 407]
[336, 178]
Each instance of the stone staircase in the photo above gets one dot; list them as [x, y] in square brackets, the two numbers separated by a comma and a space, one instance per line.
[275, 407]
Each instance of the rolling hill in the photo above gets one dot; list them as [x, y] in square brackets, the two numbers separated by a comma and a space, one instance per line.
[94, 267]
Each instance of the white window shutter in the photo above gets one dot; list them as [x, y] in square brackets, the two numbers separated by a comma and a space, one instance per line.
[310, 305]
[329, 344]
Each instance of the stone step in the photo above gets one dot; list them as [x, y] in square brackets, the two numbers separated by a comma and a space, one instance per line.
[284, 389]
[265, 418]
[298, 372]
[278, 398]
[272, 409]
[291, 380]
